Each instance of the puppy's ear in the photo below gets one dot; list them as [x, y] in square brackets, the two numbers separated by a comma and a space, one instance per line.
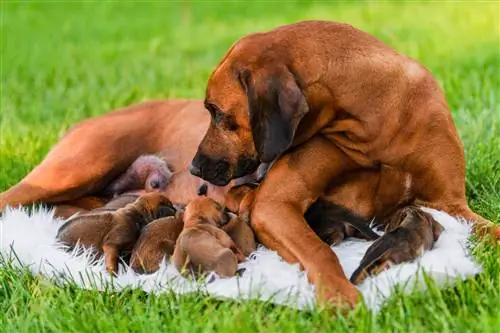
[437, 229]
[276, 106]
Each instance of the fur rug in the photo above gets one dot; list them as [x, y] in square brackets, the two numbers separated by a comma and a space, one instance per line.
[29, 241]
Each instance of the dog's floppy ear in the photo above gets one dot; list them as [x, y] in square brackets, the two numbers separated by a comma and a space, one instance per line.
[276, 105]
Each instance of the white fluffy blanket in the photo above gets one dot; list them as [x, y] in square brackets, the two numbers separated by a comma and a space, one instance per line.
[29, 240]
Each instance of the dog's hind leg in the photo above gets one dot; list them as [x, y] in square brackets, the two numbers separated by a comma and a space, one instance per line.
[84, 160]
[437, 169]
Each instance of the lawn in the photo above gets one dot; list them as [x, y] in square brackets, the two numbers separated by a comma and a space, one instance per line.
[62, 62]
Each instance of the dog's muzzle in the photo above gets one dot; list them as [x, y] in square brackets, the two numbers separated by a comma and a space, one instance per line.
[216, 172]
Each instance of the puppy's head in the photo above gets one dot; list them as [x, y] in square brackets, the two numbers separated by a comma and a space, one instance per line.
[418, 220]
[156, 204]
[206, 210]
[148, 172]
[256, 104]
[153, 171]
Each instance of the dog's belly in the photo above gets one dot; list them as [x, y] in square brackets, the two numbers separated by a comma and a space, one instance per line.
[371, 192]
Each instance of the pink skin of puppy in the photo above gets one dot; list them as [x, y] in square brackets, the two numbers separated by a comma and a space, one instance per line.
[148, 172]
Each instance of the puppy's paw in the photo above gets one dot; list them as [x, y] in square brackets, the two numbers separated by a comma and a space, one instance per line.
[393, 248]
[415, 232]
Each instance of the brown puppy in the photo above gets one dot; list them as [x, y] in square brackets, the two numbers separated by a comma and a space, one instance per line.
[332, 223]
[148, 172]
[202, 245]
[157, 241]
[329, 89]
[410, 232]
[112, 233]
[238, 200]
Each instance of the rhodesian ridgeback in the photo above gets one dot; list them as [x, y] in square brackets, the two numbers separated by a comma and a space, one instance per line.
[345, 119]
[319, 99]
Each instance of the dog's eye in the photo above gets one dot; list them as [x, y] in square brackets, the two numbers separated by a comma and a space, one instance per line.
[231, 123]
[221, 118]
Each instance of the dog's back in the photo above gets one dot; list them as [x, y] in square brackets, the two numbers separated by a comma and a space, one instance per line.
[88, 230]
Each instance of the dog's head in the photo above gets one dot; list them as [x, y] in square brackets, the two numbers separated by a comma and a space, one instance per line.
[206, 210]
[156, 204]
[256, 104]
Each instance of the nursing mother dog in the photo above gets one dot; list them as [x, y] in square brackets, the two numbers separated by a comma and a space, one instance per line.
[346, 121]
[323, 99]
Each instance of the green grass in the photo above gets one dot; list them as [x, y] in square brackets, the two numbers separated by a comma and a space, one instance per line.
[63, 62]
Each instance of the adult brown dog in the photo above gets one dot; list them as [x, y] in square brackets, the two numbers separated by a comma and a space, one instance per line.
[98, 150]
[322, 99]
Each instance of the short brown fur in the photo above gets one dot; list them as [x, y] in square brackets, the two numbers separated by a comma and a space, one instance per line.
[112, 233]
[202, 245]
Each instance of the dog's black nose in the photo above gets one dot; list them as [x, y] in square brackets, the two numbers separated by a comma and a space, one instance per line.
[195, 170]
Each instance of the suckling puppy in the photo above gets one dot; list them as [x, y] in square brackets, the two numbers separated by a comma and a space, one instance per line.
[156, 242]
[148, 172]
[238, 200]
[332, 223]
[112, 233]
[203, 246]
[410, 232]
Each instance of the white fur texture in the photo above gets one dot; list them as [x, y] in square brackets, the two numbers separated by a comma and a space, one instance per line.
[30, 241]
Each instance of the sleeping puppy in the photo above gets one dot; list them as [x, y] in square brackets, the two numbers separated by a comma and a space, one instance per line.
[332, 223]
[410, 232]
[156, 242]
[113, 232]
[148, 172]
[202, 245]
[238, 200]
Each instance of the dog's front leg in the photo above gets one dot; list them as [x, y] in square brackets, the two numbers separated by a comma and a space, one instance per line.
[277, 216]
